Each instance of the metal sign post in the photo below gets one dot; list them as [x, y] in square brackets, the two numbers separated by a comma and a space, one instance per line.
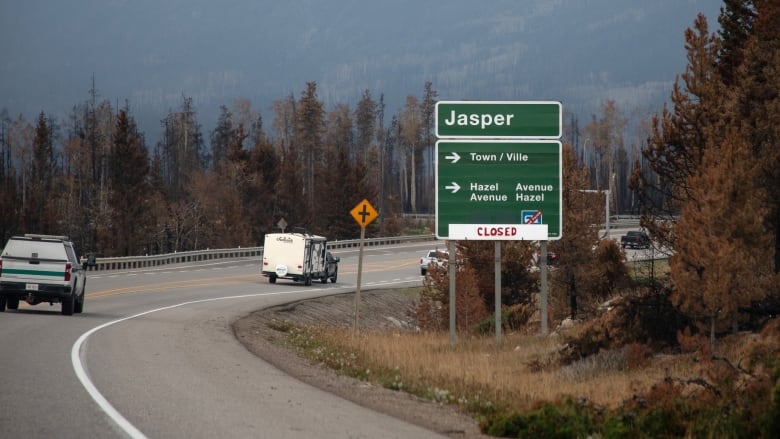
[363, 213]
[497, 288]
[452, 272]
[499, 178]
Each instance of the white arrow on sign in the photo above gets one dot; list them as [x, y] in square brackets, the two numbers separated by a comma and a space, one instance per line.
[454, 157]
[454, 187]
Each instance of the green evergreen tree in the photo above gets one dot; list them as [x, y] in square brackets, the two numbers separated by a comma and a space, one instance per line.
[290, 201]
[428, 146]
[41, 198]
[182, 150]
[221, 136]
[365, 124]
[758, 105]
[409, 141]
[263, 171]
[9, 221]
[575, 249]
[131, 220]
[309, 130]
[736, 25]
[339, 154]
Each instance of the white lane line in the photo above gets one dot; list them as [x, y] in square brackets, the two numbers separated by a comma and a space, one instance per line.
[102, 402]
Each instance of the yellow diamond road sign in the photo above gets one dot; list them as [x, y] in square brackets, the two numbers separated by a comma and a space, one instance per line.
[364, 213]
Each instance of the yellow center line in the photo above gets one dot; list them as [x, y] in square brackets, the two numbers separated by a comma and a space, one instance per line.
[167, 286]
[224, 280]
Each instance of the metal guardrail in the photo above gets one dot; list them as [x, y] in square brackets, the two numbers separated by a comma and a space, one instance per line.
[135, 262]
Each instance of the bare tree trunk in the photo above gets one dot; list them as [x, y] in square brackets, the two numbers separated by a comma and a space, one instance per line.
[413, 183]
[404, 183]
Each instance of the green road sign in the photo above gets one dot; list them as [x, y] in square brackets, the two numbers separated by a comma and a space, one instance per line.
[498, 189]
[499, 119]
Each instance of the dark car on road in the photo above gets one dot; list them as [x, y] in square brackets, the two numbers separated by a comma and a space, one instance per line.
[332, 268]
[635, 239]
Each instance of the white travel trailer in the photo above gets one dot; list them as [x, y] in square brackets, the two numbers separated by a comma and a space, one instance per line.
[298, 256]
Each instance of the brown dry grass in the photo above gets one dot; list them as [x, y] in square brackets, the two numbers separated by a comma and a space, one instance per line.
[516, 373]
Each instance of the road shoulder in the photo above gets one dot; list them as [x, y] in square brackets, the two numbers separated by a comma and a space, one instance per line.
[378, 309]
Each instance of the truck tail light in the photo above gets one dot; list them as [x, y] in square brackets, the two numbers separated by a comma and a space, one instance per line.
[67, 271]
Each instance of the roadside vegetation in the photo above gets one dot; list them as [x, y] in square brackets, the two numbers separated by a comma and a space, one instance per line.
[590, 379]
[686, 344]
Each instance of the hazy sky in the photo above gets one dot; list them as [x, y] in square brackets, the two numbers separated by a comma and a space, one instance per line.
[151, 52]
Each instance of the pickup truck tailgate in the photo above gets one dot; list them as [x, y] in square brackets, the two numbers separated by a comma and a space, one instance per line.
[24, 270]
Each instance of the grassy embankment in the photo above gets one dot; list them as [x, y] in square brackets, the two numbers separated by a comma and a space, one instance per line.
[518, 386]
[480, 374]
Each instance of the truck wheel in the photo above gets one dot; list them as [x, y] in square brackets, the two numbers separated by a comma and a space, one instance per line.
[12, 303]
[334, 277]
[422, 271]
[67, 306]
[307, 280]
[324, 279]
[271, 279]
[2, 304]
[78, 307]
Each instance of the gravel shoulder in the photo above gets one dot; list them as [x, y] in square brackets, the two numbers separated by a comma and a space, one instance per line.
[378, 309]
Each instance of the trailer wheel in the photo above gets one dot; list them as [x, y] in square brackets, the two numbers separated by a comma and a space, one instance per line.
[272, 279]
[307, 280]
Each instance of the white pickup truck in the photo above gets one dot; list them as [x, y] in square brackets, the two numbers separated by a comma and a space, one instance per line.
[42, 268]
[438, 257]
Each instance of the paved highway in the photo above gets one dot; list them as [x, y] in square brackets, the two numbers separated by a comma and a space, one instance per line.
[153, 355]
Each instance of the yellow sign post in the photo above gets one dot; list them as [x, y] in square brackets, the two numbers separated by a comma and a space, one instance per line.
[363, 213]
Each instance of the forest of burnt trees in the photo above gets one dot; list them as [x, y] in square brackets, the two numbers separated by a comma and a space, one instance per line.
[95, 179]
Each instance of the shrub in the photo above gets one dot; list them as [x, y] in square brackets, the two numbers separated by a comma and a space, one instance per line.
[606, 361]
[567, 419]
[431, 311]
[771, 421]
[513, 317]
[637, 355]
[646, 319]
